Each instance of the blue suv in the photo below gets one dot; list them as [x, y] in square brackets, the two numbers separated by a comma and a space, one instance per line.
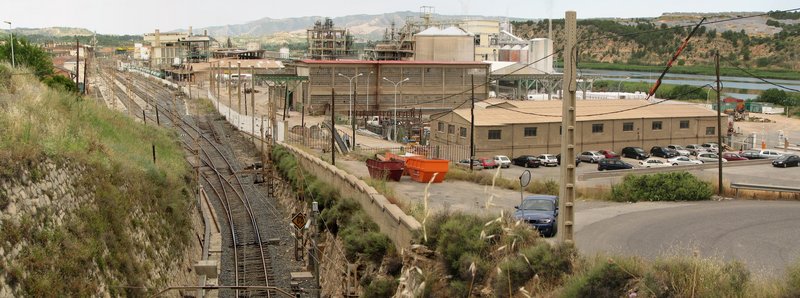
[541, 211]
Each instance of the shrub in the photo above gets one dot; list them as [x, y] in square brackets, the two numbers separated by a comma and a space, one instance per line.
[793, 281]
[604, 279]
[513, 273]
[675, 186]
[685, 277]
[459, 235]
[550, 262]
[380, 288]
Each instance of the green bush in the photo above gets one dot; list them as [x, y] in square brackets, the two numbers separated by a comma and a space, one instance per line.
[380, 288]
[793, 281]
[685, 277]
[550, 262]
[604, 279]
[675, 186]
[459, 235]
[514, 272]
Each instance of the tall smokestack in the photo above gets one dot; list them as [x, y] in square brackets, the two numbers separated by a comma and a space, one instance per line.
[205, 32]
[190, 30]
[157, 42]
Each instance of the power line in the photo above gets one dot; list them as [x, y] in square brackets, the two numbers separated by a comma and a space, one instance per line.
[758, 77]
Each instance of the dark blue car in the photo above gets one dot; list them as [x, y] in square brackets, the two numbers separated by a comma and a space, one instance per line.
[541, 211]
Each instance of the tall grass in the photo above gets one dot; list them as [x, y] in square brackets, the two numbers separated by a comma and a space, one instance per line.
[125, 190]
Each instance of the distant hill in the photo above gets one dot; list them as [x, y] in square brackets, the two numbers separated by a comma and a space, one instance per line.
[54, 31]
[361, 25]
[756, 41]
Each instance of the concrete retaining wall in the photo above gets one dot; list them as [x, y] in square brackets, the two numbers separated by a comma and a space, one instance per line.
[392, 221]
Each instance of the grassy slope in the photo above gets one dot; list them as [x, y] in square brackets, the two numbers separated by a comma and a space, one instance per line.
[695, 69]
[37, 123]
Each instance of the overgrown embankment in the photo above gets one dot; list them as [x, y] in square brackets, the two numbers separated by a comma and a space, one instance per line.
[84, 210]
[374, 254]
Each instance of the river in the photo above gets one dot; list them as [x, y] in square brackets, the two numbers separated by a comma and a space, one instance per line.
[740, 87]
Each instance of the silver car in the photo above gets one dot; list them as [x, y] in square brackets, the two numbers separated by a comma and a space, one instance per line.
[679, 149]
[683, 160]
[695, 149]
[591, 156]
[709, 157]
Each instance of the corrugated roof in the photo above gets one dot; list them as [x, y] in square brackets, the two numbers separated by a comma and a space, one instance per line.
[528, 112]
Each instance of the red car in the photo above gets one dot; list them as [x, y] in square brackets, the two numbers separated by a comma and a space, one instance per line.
[608, 153]
[731, 156]
[487, 163]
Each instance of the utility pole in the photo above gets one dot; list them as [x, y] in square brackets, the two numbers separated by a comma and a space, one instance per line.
[472, 126]
[230, 100]
[13, 59]
[333, 127]
[239, 92]
[285, 100]
[85, 73]
[567, 186]
[719, 125]
[252, 101]
[77, 61]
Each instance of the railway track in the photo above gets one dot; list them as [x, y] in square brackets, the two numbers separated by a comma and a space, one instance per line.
[250, 261]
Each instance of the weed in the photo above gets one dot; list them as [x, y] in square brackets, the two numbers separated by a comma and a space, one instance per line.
[675, 186]
[380, 287]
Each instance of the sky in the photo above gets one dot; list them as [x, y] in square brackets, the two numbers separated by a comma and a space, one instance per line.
[140, 16]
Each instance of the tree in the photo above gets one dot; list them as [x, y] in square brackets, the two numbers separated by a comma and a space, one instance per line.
[775, 96]
[28, 55]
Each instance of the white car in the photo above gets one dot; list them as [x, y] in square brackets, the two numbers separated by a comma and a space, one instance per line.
[709, 157]
[654, 163]
[464, 163]
[502, 160]
[683, 160]
[711, 147]
[679, 149]
[548, 160]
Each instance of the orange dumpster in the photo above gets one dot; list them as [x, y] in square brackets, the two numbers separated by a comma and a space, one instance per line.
[422, 169]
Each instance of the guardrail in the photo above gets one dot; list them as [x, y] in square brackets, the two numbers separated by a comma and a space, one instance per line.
[642, 171]
[763, 187]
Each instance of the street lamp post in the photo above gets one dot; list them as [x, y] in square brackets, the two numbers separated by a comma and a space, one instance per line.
[394, 130]
[350, 79]
[370, 74]
[13, 63]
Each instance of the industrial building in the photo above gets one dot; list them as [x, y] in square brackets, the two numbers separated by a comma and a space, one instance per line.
[326, 42]
[431, 86]
[449, 44]
[168, 49]
[515, 128]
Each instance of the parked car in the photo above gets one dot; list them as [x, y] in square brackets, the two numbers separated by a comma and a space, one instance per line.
[541, 211]
[679, 149]
[487, 163]
[577, 160]
[528, 161]
[731, 156]
[608, 154]
[590, 156]
[464, 163]
[634, 152]
[711, 147]
[654, 163]
[548, 160]
[613, 164]
[663, 152]
[695, 149]
[752, 154]
[787, 160]
[683, 160]
[502, 160]
[769, 154]
[709, 157]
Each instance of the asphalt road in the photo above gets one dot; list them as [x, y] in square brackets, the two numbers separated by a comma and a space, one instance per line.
[764, 235]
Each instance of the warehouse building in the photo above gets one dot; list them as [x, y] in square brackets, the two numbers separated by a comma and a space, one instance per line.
[515, 128]
[431, 86]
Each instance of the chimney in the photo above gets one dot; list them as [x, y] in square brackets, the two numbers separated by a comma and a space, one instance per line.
[157, 42]
[190, 30]
[205, 32]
